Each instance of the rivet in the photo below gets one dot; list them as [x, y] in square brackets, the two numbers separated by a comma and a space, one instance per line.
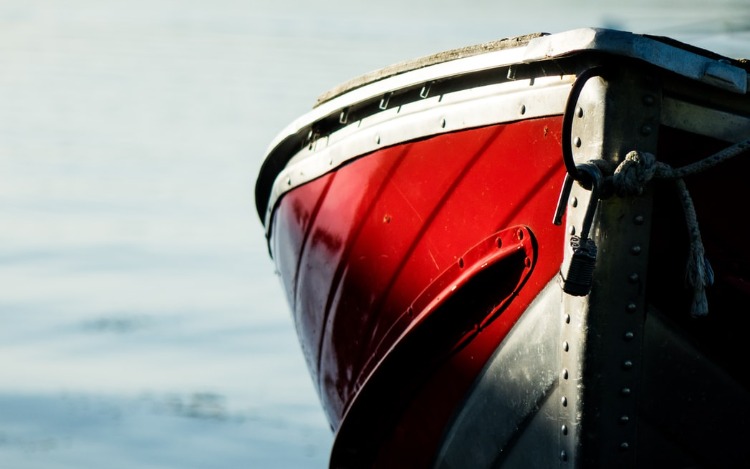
[565, 374]
[635, 250]
[632, 307]
[627, 365]
[579, 112]
[624, 446]
[572, 230]
[577, 142]
[522, 109]
[625, 391]
[646, 129]
[442, 122]
[567, 319]
[564, 429]
[629, 336]
[638, 220]
[566, 346]
[564, 401]
[633, 278]
[563, 456]
[377, 139]
[461, 262]
[624, 419]
[330, 162]
[574, 202]
[288, 181]
[386, 218]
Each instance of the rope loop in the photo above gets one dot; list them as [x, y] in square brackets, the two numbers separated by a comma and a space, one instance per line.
[635, 171]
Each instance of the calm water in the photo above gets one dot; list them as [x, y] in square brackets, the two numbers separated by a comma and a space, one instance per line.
[142, 325]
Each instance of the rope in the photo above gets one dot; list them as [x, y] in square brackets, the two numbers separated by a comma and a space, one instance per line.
[638, 168]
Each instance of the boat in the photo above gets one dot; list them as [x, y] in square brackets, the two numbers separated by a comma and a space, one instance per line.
[525, 253]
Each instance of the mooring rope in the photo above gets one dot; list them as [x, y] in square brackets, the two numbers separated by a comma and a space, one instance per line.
[638, 168]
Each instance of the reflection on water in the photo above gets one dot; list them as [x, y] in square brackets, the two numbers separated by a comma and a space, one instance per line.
[116, 324]
[171, 430]
[142, 325]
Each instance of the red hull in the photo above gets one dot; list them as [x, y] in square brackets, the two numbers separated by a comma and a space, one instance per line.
[358, 246]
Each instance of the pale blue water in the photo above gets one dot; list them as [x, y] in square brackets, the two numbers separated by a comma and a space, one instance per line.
[142, 325]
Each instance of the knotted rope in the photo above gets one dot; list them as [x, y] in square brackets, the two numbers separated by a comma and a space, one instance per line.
[638, 168]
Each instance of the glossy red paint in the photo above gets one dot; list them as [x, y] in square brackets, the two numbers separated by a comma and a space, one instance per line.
[355, 248]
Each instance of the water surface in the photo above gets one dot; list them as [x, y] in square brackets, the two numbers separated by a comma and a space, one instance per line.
[142, 323]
